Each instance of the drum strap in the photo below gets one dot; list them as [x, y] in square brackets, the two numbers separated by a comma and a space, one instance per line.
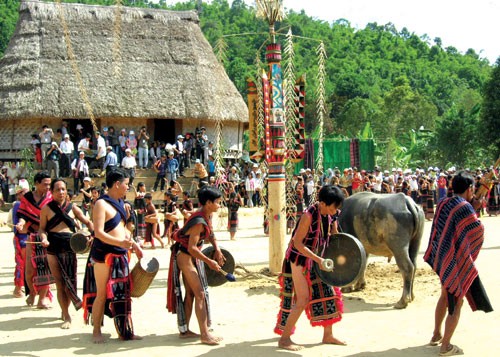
[61, 215]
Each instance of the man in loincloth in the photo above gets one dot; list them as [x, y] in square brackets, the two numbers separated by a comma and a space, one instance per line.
[301, 288]
[187, 258]
[57, 224]
[36, 272]
[456, 239]
[107, 282]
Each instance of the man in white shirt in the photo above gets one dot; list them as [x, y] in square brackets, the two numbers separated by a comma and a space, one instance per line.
[377, 185]
[84, 144]
[309, 190]
[80, 171]
[101, 151]
[68, 148]
[46, 139]
[413, 183]
[13, 180]
[179, 153]
[129, 164]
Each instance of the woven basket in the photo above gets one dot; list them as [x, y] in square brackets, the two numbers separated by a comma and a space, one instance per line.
[143, 275]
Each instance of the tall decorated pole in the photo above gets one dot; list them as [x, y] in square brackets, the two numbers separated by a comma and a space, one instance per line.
[272, 11]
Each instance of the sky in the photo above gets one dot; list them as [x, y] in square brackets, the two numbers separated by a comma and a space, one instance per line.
[459, 23]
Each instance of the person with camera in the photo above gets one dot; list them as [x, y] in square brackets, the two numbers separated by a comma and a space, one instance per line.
[53, 156]
[142, 147]
[46, 137]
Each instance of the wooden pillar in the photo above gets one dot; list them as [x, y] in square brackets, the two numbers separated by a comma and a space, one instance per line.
[275, 155]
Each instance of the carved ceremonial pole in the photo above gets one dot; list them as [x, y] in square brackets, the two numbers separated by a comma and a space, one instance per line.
[275, 158]
[274, 116]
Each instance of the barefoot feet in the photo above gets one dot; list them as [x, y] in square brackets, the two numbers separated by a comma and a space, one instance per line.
[211, 340]
[30, 300]
[18, 292]
[330, 340]
[98, 338]
[287, 344]
[66, 322]
[189, 334]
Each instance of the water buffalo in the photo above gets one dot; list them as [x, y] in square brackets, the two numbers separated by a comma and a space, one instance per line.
[387, 225]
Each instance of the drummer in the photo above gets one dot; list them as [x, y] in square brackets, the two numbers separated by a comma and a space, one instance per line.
[57, 223]
[187, 258]
[301, 289]
[37, 280]
[107, 282]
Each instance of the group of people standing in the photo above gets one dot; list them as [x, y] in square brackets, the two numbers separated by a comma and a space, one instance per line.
[46, 219]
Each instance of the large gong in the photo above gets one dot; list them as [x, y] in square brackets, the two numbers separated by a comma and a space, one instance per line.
[349, 260]
[215, 278]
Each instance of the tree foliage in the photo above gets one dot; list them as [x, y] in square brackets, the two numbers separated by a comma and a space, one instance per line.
[394, 81]
[490, 119]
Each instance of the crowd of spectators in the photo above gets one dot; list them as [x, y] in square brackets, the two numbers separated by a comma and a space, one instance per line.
[57, 153]
[65, 154]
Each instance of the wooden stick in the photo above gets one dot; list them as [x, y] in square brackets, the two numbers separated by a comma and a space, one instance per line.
[29, 242]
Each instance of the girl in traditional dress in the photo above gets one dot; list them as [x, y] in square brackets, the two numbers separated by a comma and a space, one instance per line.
[493, 199]
[300, 287]
[426, 199]
[233, 204]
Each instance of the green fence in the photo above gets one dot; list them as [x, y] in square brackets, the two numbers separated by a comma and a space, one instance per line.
[337, 153]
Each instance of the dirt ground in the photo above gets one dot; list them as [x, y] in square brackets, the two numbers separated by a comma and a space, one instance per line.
[244, 312]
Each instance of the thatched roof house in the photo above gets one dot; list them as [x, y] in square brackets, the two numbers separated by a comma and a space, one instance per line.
[159, 67]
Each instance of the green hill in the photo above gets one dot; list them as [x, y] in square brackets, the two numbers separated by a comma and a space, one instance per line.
[390, 79]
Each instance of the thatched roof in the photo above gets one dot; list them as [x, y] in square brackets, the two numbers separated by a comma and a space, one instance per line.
[168, 68]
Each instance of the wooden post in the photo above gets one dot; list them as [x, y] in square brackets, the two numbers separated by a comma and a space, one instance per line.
[277, 223]
[275, 155]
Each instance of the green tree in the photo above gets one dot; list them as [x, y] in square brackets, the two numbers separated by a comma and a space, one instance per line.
[394, 79]
[490, 118]
[8, 18]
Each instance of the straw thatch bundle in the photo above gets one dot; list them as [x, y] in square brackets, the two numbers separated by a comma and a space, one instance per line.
[168, 68]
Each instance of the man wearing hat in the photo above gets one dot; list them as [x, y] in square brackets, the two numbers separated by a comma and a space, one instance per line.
[122, 141]
[68, 148]
[142, 148]
[80, 170]
[180, 153]
[172, 167]
[201, 144]
[111, 162]
[377, 185]
[188, 149]
[129, 164]
[160, 168]
[442, 184]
